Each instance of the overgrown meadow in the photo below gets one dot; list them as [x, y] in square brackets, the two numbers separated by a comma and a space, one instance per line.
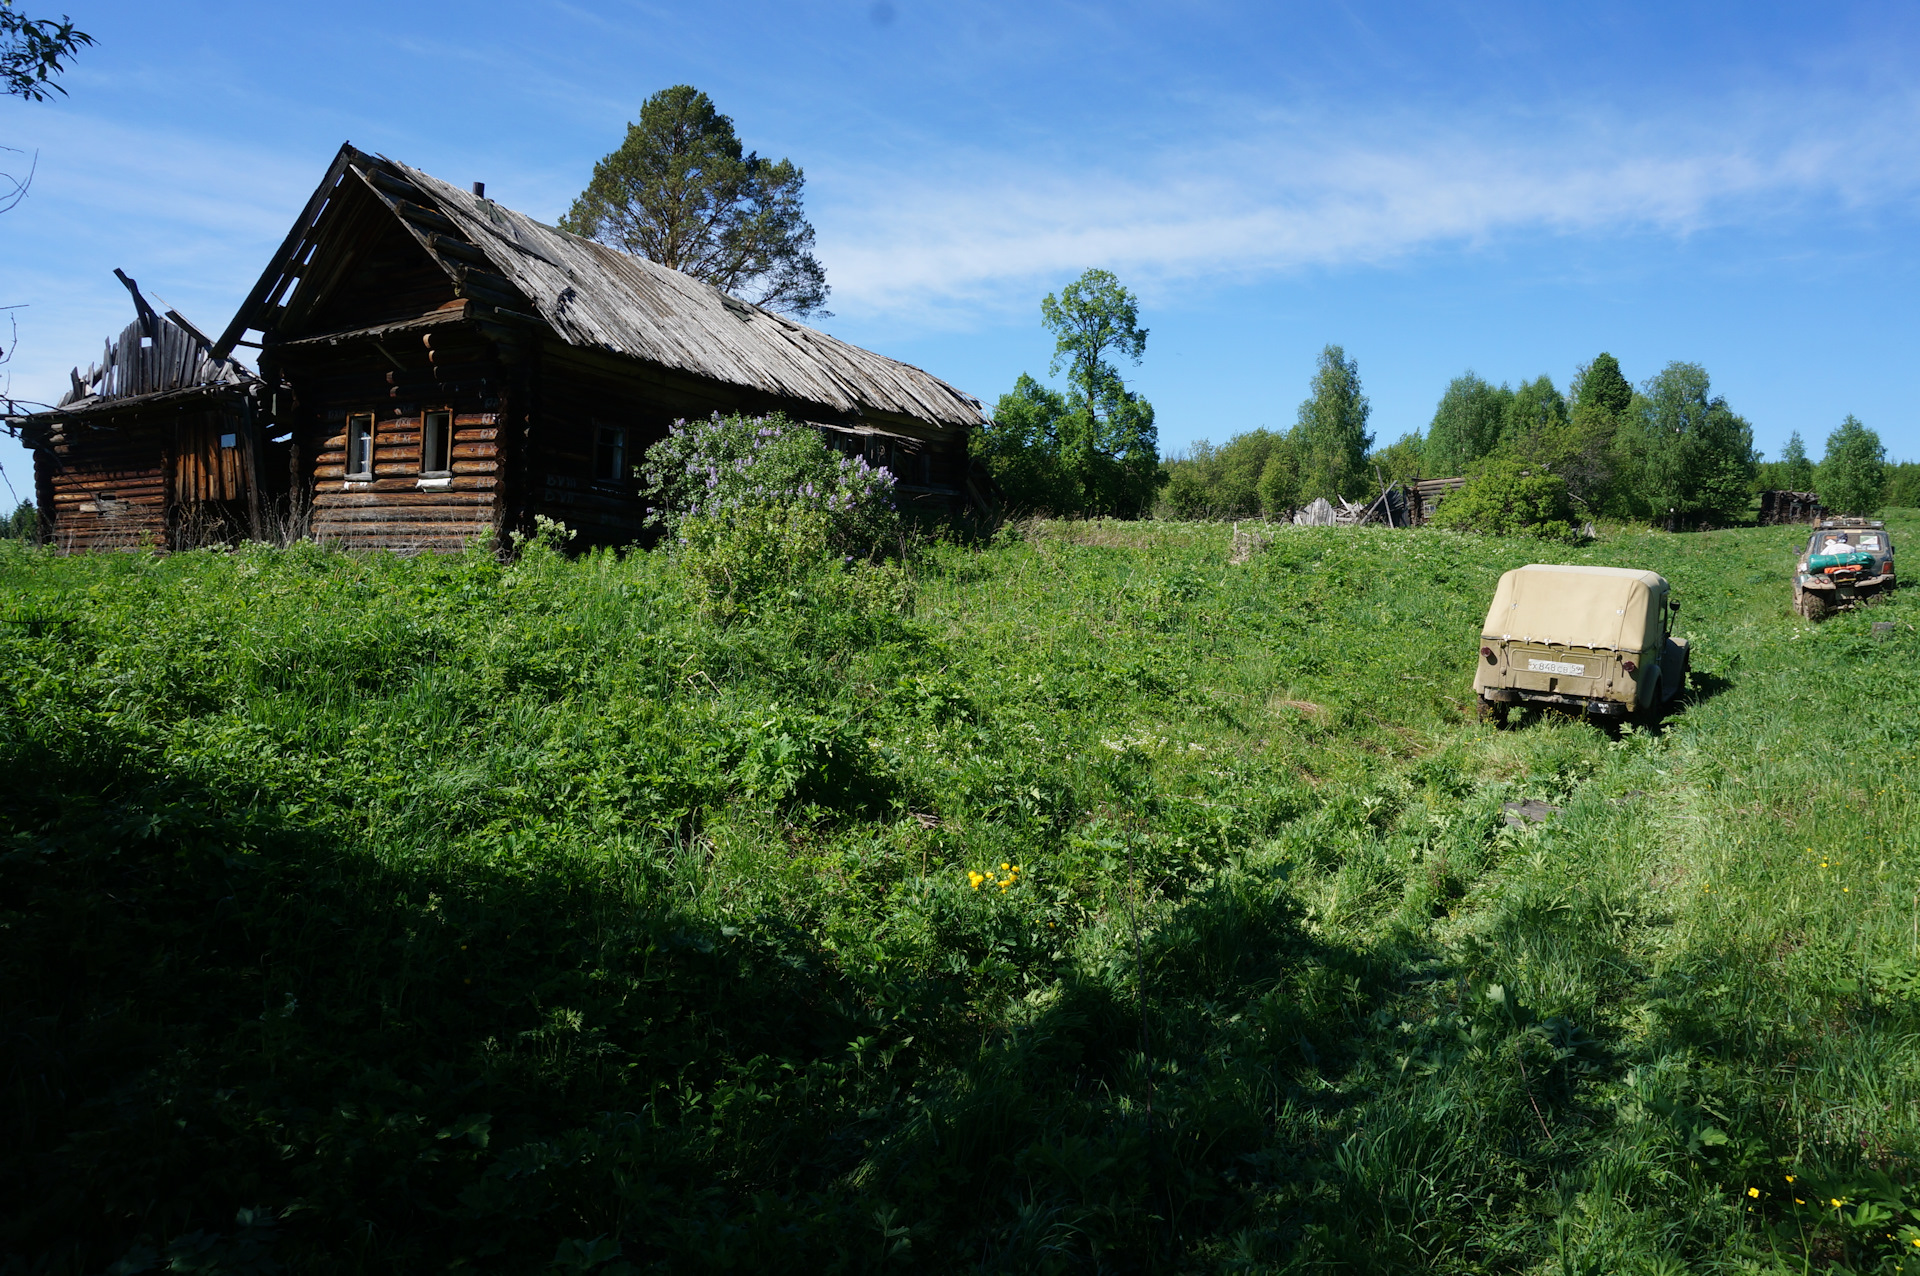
[1115, 907]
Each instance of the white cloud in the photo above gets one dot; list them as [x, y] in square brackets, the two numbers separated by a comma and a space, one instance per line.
[1312, 192]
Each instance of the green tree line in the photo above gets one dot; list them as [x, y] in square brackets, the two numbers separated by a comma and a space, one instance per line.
[1670, 453]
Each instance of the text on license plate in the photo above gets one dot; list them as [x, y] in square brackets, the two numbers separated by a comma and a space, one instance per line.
[1555, 666]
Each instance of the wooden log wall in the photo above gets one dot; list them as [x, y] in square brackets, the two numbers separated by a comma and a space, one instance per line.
[576, 398]
[397, 379]
[398, 509]
[106, 485]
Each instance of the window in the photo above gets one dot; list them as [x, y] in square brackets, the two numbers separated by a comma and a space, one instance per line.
[609, 454]
[436, 443]
[360, 446]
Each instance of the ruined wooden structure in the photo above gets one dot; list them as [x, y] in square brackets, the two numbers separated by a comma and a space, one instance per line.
[442, 368]
[1789, 507]
[156, 446]
[1427, 494]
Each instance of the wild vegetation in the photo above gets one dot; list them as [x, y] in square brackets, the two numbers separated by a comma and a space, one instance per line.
[1107, 898]
[1672, 453]
[1093, 450]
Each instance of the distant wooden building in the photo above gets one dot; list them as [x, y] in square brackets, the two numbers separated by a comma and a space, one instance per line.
[156, 446]
[443, 368]
[1789, 507]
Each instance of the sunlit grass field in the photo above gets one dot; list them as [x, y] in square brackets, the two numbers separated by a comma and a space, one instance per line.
[1125, 907]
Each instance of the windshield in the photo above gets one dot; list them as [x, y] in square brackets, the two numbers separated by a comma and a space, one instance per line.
[1848, 543]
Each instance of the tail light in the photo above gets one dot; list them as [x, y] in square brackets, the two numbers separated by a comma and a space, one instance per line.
[1630, 666]
[1488, 653]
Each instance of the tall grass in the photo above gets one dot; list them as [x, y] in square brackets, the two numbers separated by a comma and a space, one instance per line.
[370, 913]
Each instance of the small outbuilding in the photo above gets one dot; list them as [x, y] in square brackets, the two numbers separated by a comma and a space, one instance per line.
[157, 446]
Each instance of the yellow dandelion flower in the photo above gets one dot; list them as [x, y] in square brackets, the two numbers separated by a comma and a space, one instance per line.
[1789, 1178]
[1005, 866]
[1753, 1191]
[974, 879]
[1837, 1202]
[1798, 1201]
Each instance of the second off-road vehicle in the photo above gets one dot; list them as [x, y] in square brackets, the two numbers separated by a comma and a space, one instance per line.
[1847, 561]
[1589, 640]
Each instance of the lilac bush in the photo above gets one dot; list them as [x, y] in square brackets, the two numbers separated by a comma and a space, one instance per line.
[722, 468]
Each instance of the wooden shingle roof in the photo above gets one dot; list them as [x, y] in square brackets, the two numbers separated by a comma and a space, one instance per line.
[598, 298]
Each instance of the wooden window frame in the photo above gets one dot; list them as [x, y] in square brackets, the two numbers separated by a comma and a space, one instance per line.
[445, 468]
[370, 426]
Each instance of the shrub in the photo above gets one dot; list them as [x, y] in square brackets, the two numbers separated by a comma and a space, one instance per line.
[1503, 499]
[724, 467]
[753, 559]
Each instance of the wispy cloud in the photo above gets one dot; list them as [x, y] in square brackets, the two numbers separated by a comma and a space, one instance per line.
[1304, 192]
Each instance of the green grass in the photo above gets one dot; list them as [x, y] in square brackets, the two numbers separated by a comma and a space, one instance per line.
[365, 913]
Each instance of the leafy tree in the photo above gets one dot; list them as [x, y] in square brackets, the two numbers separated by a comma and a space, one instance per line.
[1331, 434]
[1021, 449]
[31, 52]
[1467, 424]
[1098, 448]
[1536, 418]
[1853, 473]
[1402, 461]
[1093, 316]
[1796, 471]
[1689, 457]
[1903, 485]
[680, 191]
[1504, 498]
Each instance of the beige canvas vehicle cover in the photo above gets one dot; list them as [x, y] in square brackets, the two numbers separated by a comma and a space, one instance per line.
[1612, 607]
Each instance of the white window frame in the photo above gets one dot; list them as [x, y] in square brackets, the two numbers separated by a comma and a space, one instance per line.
[428, 468]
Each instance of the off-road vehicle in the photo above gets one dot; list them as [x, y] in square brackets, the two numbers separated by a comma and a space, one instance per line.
[1848, 560]
[1587, 640]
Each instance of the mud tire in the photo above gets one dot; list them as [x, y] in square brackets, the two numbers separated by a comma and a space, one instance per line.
[1811, 604]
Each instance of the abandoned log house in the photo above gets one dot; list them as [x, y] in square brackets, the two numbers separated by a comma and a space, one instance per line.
[156, 446]
[443, 368]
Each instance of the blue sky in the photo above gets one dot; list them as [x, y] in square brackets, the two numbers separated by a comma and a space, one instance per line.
[1436, 186]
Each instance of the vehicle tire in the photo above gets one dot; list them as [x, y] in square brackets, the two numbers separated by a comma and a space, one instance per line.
[1811, 604]
[1494, 712]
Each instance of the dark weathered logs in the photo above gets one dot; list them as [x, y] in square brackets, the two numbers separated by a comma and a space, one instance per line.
[448, 246]
[423, 216]
[399, 186]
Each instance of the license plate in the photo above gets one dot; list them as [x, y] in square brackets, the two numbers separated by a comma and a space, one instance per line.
[1555, 666]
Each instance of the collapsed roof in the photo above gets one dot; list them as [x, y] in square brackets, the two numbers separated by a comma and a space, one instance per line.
[154, 355]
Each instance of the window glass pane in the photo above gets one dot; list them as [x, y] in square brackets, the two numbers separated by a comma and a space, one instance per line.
[360, 445]
[610, 453]
[435, 440]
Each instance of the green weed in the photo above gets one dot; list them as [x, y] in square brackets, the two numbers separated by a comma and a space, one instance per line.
[369, 913]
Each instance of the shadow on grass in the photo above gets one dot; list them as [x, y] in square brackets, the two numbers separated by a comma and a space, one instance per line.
[235, 1043]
